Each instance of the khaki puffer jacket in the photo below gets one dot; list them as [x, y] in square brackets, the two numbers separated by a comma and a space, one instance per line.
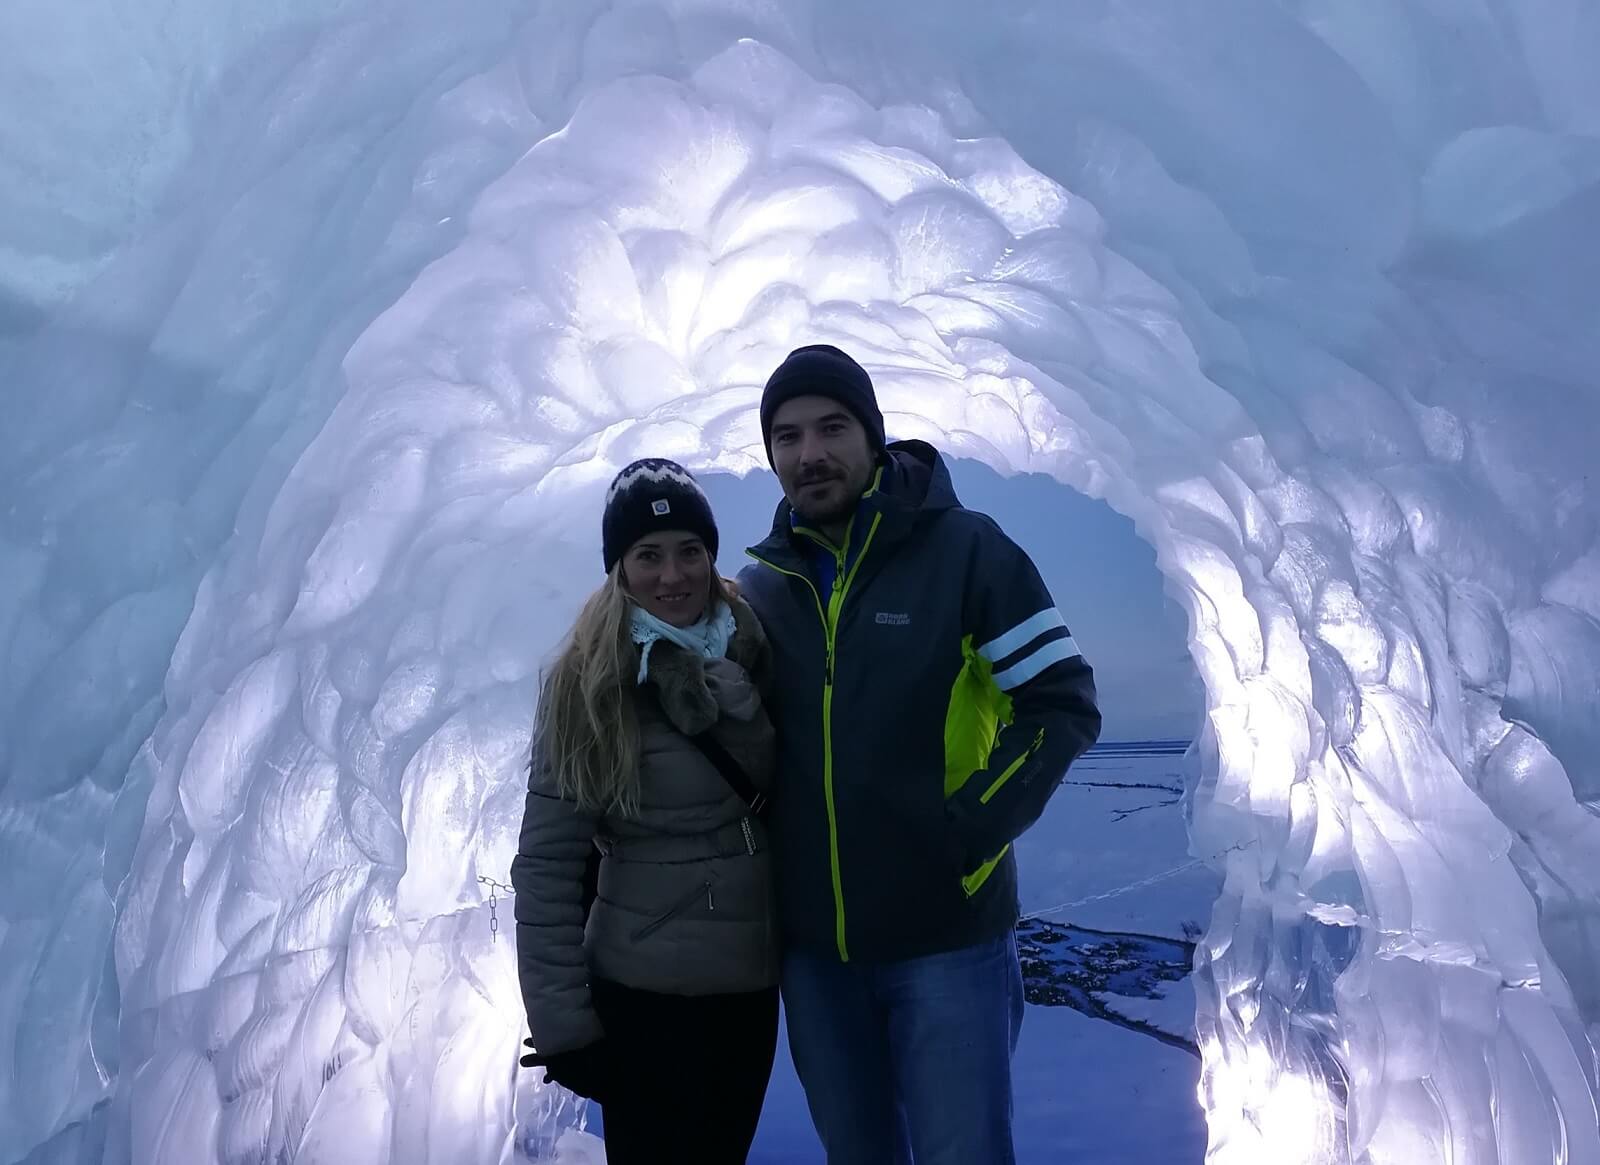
[685, 902]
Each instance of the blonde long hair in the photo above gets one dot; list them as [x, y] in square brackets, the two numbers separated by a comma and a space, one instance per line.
[586, 724]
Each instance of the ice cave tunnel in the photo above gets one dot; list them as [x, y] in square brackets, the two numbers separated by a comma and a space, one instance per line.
[321, 328]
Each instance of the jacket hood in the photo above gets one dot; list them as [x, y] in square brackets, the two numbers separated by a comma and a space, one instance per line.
[916, 477]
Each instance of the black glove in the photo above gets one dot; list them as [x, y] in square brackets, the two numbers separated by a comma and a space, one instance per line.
[585, 1071]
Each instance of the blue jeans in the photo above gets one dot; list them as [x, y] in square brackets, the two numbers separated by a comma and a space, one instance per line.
[908, 1061]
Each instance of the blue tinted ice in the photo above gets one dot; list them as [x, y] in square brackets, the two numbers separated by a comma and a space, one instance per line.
[320, 333]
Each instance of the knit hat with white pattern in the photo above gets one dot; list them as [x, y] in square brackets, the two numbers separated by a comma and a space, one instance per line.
[649, 496]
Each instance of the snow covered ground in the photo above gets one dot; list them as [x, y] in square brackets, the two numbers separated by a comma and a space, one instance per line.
[1089, 1089]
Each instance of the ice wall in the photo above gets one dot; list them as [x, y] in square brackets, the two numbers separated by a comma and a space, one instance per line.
[1304, 288]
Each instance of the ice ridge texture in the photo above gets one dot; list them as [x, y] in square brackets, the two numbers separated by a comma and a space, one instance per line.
[321, 333]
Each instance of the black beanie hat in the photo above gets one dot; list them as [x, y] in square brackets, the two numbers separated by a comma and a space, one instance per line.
[649, 496]
[823, 370]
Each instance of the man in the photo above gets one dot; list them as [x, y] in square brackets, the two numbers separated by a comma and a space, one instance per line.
[929, 700]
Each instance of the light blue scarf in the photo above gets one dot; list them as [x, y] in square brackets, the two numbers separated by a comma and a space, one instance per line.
[708, 638]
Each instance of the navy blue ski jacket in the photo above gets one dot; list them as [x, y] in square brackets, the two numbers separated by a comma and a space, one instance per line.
[928, 699]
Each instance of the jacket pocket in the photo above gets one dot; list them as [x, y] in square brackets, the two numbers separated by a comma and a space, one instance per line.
[680, 907]
[973, 882]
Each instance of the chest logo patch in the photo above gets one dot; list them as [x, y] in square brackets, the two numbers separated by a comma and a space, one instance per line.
[893, 619]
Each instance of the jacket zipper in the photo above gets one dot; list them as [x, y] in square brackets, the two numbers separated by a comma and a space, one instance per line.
[677, 908]
[749, 836]
[830, 628]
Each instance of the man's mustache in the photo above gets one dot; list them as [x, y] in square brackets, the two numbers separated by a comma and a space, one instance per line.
[817, 475]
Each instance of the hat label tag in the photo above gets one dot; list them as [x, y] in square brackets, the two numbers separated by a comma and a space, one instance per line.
[660, 508]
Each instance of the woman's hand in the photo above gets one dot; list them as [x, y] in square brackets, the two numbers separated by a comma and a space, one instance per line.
[585, 1071]
[732, 689]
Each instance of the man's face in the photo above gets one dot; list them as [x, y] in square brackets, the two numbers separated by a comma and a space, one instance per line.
[823, 458]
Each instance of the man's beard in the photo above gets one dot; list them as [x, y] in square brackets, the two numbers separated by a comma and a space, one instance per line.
[830, 516]
[836, 513]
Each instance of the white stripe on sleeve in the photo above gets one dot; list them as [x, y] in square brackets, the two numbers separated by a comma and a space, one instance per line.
[1022, 634]
[1024, 670]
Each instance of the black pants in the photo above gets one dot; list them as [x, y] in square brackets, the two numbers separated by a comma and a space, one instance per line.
[688, 1073]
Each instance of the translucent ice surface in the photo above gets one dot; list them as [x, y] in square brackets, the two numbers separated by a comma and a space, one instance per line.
[320, 334]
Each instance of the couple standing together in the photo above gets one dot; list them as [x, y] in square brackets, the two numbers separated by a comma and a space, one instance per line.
[892, 672]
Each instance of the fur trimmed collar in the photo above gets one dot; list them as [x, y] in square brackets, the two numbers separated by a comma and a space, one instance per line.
[679, 677]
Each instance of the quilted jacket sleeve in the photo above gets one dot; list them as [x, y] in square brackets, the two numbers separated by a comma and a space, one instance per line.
[547, 877]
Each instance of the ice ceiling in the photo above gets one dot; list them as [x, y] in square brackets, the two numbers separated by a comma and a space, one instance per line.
[303, 442]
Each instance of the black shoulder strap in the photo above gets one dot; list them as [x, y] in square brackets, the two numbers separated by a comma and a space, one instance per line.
[732, 773]
[724, 763]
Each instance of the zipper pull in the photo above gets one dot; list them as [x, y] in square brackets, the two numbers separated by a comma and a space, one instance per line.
[711, 903]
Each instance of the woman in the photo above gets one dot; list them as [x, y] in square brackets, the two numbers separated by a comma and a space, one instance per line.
[663, 1005]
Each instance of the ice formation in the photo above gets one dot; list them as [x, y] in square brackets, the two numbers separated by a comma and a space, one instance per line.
[307, 405]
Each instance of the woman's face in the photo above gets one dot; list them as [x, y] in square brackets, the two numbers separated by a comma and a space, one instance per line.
[669, 575]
